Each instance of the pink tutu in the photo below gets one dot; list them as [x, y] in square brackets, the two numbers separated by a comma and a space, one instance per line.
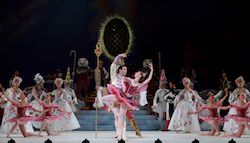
[213, 114]
[238, 118]
[122, 98]
[25, 118]
[42, 118]
[48, 114]
[218, 119]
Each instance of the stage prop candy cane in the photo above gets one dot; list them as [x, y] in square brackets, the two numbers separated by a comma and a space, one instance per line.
[74, 65]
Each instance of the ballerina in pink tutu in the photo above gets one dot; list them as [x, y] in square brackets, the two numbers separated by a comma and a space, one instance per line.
[47, 117]
[126, 96]
[214, 119]
[21, 119]
[241, 117]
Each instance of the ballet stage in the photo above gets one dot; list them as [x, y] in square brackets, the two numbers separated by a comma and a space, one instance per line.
[109, 137]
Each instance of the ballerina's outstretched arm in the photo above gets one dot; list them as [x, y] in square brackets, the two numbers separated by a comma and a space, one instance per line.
[150, 65]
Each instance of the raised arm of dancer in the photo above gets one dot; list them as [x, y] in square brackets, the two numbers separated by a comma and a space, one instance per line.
[198, 111]
[33, 92]
[113, 67]
[224, 108]
[12, 101]
[226, 91]
[150, 65]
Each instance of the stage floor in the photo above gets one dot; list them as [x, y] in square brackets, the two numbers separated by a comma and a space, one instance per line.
[109, 137]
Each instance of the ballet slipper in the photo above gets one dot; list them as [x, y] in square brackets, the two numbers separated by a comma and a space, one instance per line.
[217, 134]
[223, 135]
[67, 131]
[244, 133]
[40, 135]
[201, 134]
[8, 136]
[57, 133]
[187, 132]
[119, 135]
[178, 131]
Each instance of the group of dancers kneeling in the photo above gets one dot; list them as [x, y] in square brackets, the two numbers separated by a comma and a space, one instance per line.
[53, 116]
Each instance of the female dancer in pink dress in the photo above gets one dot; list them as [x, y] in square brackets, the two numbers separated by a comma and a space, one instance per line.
[21, 119]
[126, 96]
[47, 118]
[241, 117]
[214, 119]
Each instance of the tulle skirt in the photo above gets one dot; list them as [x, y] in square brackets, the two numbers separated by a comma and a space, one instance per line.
[52, 117]
[25, 118]
[218, 119]
[10, 112]
[122, 98]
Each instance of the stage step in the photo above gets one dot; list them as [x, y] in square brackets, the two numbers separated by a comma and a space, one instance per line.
[105, 120]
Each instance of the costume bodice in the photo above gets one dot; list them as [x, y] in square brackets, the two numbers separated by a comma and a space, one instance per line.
[241, 110]
[213, 110]
[21, 109]
[45, 107]
[129, 87]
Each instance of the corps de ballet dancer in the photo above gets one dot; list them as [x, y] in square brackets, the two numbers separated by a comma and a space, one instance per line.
[40, 93]
[67, 122]
[10, 111]
[72, 100]
[185, 102]
[21, 119]
[47, 118]
[231, 126]
[213, 119]
[241, 117]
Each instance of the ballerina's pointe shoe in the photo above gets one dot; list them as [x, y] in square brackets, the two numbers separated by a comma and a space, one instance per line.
[40, 135]
[201, 134]
[119, 135]
[217, 134]
[223, 135]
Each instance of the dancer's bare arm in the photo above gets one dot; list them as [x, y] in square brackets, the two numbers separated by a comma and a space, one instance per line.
[150, 65]
[33, 92]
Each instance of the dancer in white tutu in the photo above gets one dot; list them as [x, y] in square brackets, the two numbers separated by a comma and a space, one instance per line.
[185, 102]
[231, 125]
[40, 93]
[10, 111]
[67, 122]
[72, 100]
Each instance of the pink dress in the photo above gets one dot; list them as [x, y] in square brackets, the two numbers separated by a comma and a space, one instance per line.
[242, 113]
[213, 114]
[132, 90]
[48, 115]
[21, 109]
